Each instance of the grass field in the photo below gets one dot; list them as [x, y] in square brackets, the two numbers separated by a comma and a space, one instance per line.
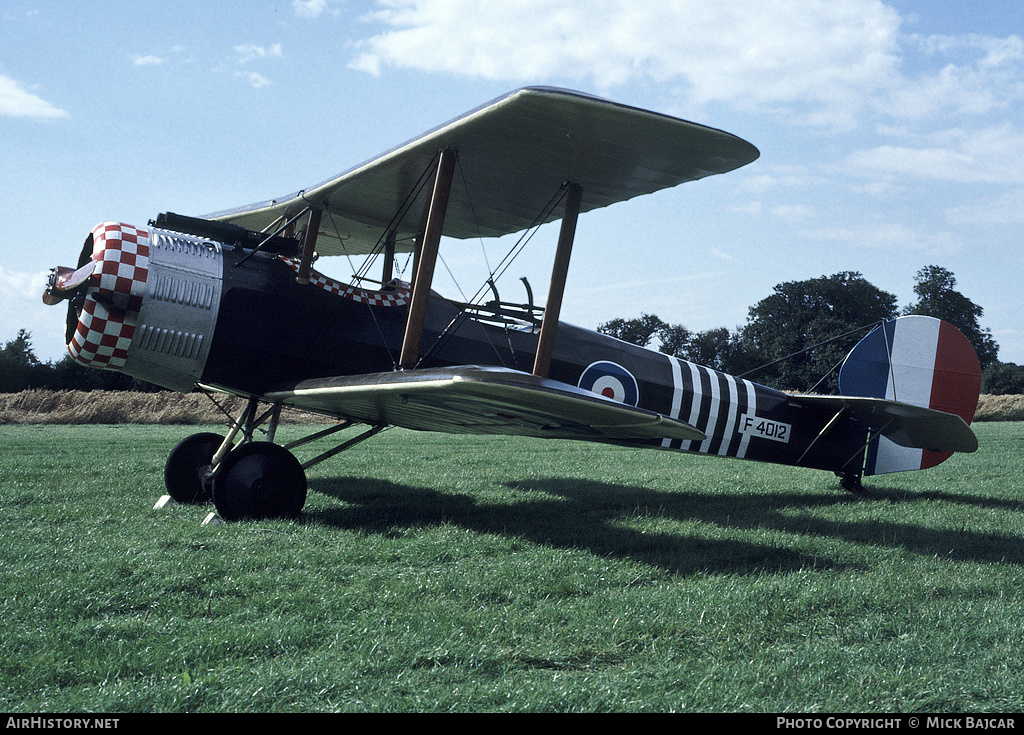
[431, 573]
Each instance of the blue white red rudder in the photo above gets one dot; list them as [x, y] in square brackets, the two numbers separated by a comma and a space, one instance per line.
[918, 360]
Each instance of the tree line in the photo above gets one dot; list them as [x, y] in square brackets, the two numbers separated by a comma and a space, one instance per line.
[793, 338]
[20, 370]
[797, 337]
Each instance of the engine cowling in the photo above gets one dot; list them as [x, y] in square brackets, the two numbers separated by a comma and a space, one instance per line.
[137, 274]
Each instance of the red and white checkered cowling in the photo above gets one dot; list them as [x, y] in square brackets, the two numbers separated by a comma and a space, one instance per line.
[109, 316]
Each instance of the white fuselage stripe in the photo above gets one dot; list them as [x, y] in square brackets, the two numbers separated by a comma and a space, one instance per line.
[677, 393]
[730, 402]
[715, 409]
[713, 412]
[741, 452]
[694, 419]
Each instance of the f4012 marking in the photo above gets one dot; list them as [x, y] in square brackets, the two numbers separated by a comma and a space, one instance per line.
[765, 428]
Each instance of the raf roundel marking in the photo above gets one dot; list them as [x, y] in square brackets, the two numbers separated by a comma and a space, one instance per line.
[611, 381]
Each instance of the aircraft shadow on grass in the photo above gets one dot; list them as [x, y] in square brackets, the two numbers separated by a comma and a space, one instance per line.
[591, 516]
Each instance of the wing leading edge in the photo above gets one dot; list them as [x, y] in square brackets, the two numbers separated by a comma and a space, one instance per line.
[476, 400]
[514, 155]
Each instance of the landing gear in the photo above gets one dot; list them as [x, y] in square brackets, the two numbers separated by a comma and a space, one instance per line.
[259, 480]
[187, 473]
[852, 483]
[251, 479]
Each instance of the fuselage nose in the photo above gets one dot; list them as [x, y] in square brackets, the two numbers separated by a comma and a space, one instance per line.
[143, 301]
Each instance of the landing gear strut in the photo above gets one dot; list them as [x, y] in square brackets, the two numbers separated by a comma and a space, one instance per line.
[254, 479]
[187, 473]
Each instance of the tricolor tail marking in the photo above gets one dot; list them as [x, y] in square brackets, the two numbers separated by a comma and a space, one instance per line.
[918, 360]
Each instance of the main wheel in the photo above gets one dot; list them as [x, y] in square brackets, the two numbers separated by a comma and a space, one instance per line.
[259, 480]
[187, 471]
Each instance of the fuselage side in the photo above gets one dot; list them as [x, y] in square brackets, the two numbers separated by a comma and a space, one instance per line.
[271, 330]
[179, 310]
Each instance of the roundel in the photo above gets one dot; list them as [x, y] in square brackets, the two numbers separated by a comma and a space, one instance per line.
[611, 381]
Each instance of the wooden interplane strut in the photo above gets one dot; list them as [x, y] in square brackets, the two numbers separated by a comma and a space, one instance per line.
[559, 273]
[426, 259]
[309, 245]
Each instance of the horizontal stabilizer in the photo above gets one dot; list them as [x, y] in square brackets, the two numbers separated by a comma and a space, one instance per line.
[904, 424]
[475, 400]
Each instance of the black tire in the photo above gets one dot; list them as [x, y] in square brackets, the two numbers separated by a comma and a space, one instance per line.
[186, 473]
[259, 480]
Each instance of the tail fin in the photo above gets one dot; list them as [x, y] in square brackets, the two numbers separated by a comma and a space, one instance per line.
[918, 360]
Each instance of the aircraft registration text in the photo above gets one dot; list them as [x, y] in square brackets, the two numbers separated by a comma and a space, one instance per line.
[765, 428]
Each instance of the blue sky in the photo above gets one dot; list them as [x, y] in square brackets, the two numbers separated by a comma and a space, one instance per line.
[891, 135]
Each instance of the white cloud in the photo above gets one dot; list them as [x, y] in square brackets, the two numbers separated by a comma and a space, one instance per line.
[1006, 208]
[888, 236]
[722, 255]
[748, 53]
[247, 53]
[818, 62]
[754, 208]
[148, 60]
[309, 8]
[793, 211]
[775, 177]
[250, 52]
[976, 75]
[989, 155]
[254, 78]
[15, 101]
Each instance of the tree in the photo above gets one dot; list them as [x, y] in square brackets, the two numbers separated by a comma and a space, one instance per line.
[718, 349]
[1003, 378]
[20, 370]
[635, 331]
[713, 348]
[800, 315]
[675, 340]
[938, 298]
[19, 366]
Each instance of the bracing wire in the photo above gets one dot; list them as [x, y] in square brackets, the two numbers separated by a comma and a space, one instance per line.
[500, 270]
[813, 347]
[359, 274]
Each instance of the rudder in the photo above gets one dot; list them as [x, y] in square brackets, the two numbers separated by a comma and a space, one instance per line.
[918, 360]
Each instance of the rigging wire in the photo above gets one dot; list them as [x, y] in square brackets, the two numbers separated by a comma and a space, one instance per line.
[359, 274]
[813, 347]
[449, 331]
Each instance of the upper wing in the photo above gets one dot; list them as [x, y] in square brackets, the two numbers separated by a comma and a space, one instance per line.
[903, 423]
[514, 155]
[475, 400]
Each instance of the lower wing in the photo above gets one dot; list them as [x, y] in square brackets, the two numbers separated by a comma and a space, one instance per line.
[476, 400]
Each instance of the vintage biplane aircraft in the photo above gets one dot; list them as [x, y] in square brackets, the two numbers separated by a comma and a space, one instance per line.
[230, 303]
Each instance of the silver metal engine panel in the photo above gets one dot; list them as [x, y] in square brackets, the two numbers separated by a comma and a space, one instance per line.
[179, 310]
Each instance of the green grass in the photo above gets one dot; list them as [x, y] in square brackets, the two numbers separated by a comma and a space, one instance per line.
[435, 573]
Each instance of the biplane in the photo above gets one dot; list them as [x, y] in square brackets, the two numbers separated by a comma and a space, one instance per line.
[230, 303]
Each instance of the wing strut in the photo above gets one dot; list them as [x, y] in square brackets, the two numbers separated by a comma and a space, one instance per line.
[559, 273]
[309, 245]
[389, 259]
[426, 259]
